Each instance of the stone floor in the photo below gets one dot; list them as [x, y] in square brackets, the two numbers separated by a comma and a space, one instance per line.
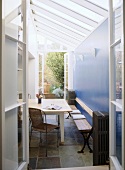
[63, 156]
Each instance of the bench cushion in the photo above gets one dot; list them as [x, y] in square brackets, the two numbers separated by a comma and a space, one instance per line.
[75, 112]
[83, 125]
[78, 116]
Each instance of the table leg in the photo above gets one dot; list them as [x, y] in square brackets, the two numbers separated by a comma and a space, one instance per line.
[61, 116]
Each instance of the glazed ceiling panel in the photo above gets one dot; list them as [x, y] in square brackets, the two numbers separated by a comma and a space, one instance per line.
[69, 21]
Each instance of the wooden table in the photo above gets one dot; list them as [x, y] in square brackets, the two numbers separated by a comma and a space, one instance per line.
[62, 108]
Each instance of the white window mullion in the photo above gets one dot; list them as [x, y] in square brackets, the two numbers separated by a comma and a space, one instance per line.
[111, 85]
[115, 45]
[123, 88]
[25, 6]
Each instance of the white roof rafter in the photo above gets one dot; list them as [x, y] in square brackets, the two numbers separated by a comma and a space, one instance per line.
[16, 12]
[67, 22]
[69, 12]
[99, 10]
[57, 26]
[51, 37]
[58, 34]
[56, 39]
[55, 29]
[60, 19]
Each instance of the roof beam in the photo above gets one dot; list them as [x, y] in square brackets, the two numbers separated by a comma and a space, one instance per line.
[69, 12]
[56, 39]
[57, 26]
[89, 5]
[55, 30]
[58, 34]
[13, 14]
[59, 19]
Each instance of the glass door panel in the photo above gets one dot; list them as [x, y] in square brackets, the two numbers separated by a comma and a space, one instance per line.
[117, 23]
[118, 71]
[119, 135]
[118, 102]
[20, 135]
[116, 85]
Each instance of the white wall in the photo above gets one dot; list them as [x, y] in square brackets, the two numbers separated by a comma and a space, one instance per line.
[33, 60]
[32, 78]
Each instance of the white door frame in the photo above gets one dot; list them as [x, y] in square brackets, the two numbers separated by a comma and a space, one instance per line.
[114, 163]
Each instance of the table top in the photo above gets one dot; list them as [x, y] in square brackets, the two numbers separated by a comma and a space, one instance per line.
[51, 105]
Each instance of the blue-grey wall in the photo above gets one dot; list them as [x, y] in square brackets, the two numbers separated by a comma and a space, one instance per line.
[91, 80]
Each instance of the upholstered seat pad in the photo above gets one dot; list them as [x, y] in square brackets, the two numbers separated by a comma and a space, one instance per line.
[75, 112]
[78, 116]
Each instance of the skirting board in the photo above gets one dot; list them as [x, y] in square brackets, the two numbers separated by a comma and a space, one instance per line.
[84, 106]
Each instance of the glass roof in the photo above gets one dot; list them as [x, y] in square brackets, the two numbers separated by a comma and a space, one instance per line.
[63, 15]
[59, 23]
[73, 18]
[104, 3]
[79, 9]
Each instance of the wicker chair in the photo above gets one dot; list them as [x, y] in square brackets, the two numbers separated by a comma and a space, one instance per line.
[38, 123]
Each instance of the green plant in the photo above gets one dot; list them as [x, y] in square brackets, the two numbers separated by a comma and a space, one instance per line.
[55, 62]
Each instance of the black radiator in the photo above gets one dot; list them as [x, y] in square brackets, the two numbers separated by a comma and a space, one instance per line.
[100, 138]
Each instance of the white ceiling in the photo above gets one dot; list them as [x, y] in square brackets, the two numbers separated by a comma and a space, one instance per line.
[68, 22]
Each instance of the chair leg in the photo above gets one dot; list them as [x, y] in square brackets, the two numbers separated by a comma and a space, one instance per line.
[40, 137]
[30, 136]
[58, 120]
[57, 137]
[46, 144]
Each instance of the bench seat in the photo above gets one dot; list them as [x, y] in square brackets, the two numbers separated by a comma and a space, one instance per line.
[83, 125]
[76, 111]
[86, 130]
[78, 116]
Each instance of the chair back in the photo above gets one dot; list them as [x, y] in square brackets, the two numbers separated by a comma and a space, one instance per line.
[35, 116]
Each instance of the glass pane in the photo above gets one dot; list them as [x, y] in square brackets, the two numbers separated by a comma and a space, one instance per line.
[117, 23]
[63, 15]
[20, 135]
[118, 78]
[119, 135]
[80, 9]
[13, 138]
[103, 4]
[20, 72]
[118, 70]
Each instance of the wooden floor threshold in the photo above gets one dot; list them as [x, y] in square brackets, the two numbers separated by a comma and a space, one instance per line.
[82, 168]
